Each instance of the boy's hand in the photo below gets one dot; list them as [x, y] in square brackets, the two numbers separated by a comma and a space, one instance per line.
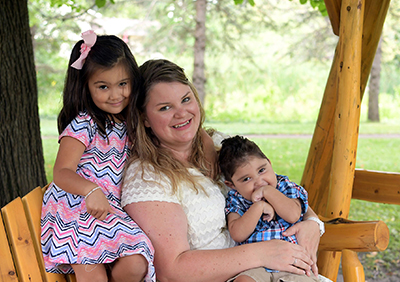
[259, 193]
[268, 212]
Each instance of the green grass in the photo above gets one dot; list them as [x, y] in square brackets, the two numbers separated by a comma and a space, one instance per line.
[288, 156]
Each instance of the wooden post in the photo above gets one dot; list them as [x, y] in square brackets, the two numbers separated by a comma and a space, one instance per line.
[318, 165]
[323, 173]
[352, 269]
[346, 120]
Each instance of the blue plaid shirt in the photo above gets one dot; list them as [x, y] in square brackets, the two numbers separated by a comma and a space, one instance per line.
[269, 230]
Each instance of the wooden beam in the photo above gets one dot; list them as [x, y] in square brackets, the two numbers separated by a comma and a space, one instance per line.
[360, 236]
[333, 8]
[375, 15]
[345, 119]
[377, 186]
[317, 176]
[318, 165]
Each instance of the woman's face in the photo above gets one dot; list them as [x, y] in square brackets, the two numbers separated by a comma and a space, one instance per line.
[173, 114]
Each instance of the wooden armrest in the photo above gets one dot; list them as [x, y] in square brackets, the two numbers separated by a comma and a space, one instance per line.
[359, 236]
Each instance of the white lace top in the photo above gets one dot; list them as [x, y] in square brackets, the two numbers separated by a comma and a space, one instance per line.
[205, 213]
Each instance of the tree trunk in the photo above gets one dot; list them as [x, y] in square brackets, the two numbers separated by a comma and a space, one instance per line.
[21, 153]
[374, 84]
[199, 79]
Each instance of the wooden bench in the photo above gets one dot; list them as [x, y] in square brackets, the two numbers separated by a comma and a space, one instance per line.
[20, 249]
[21, 253]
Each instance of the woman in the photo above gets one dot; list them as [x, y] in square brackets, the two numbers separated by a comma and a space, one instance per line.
[167, 192]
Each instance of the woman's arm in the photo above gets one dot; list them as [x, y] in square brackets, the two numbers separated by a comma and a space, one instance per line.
[308, 236]
[166, 225]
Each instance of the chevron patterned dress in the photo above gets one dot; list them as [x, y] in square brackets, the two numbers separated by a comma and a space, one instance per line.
[69, 234]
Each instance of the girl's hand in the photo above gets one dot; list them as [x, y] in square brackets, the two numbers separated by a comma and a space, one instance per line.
[97, 205]
[307, 234]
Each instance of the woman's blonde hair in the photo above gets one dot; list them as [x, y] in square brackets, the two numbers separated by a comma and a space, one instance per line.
[146, 146]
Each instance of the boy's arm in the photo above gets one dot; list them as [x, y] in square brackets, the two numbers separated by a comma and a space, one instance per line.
[241, 227]
[287, 208]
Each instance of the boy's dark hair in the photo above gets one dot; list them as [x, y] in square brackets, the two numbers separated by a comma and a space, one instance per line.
[106, 53]
[234, 152]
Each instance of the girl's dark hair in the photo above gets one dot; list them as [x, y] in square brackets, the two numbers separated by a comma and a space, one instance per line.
[106, 53]
[234, 152]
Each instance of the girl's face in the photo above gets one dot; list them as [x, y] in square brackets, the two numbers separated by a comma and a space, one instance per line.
[173, 114]
[110, 89]
[253, 174]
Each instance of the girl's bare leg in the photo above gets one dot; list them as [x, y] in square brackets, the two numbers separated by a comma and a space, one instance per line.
[244, 278]
[90, 272]
[129, 269]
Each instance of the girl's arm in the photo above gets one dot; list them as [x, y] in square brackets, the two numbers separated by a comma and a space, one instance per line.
[241, 227]
[166, 225]
[65, 177]
[287, 208]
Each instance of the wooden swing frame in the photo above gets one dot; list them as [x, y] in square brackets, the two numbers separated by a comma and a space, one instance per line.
[330, 175]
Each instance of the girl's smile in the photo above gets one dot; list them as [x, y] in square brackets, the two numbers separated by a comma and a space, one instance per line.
[110, 89]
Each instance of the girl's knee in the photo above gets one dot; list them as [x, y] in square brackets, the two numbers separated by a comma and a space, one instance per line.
[244, 278]
[90, 272]
[130, 268]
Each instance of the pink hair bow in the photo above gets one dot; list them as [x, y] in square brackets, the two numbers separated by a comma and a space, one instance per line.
[89, 38]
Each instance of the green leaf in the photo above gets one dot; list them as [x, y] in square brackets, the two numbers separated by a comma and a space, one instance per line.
[101, 3]
[303, 2]
[238, 2]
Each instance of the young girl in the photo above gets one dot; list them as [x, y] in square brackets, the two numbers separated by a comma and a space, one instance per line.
[84, 228]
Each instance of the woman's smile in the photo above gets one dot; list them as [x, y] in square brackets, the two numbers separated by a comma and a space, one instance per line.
[173, 114]
[180, 126]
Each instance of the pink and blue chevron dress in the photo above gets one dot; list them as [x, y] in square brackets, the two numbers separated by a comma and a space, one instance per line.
[69, 234]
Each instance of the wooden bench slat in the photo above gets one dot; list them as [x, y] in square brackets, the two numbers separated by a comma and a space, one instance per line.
[7, 269]
[33, 208]
[377, 186]
[20, 240]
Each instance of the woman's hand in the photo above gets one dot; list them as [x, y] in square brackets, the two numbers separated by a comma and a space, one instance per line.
[285, 256]
[307, 234]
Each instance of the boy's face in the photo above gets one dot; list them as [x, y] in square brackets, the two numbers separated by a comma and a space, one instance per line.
[255, 173]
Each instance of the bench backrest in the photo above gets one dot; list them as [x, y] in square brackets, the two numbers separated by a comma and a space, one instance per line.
[20, 248]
